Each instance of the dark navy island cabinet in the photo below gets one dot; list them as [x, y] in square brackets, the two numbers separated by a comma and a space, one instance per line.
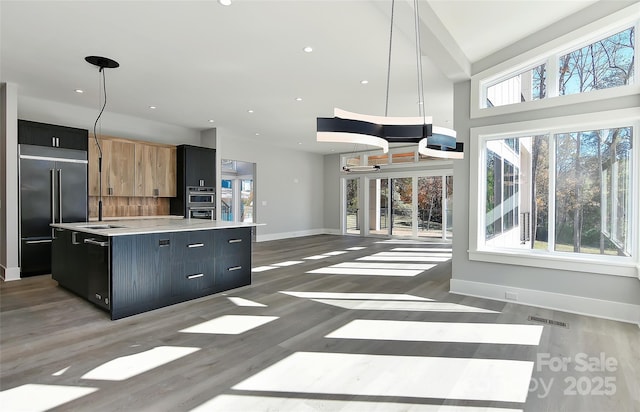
[131, 274]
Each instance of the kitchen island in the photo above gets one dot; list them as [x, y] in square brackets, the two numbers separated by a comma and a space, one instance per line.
[132, 266]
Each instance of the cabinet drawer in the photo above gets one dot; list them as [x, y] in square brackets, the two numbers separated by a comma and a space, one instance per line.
[235, 241]
[192, 279]
[232, 272]
[194, 245]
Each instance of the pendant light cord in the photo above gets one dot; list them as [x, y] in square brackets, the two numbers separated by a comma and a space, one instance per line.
[421, 102]
[95, 136]
[386, 105]
[104, 88]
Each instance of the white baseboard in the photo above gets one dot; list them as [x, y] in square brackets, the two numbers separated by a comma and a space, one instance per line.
[623, 312]
[8, 274]
[301, 233]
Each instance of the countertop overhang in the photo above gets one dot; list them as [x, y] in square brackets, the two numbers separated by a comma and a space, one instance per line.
[144, 226]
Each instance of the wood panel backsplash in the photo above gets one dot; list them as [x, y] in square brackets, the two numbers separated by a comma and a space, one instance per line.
[113, 206]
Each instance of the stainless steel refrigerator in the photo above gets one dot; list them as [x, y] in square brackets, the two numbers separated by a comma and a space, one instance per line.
[53, 189]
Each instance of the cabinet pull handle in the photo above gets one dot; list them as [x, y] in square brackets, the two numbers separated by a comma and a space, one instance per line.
[74, 238]
[235, 240]
[197, 275]
[231, 269]
[95, 242]
[59, 195]
[31, 242]
[195, 245]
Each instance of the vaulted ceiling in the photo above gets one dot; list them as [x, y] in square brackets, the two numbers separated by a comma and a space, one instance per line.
[204, 65]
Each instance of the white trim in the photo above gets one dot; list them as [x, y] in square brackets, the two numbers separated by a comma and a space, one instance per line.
[9, 274]
[299, 233]
[618, 311]
[616, 266]
[587, 34]
[384, 120]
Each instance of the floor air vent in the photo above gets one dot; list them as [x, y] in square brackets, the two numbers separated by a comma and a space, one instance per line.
[548, 321]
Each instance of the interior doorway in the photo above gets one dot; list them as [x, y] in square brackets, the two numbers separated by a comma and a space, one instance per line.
[237, 191]
[418, 205]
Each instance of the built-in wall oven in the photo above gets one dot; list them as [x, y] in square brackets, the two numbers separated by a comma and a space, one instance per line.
[201, 202]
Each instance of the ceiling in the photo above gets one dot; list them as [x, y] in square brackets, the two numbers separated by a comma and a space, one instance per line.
[199, 61]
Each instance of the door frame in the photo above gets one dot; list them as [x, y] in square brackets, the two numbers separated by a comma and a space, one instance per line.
[363, 201]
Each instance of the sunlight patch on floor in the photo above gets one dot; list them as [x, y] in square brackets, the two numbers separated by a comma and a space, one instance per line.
[288, 263]
[383, 265]
[245, 302]
[262, 268]
[230, 324]
[421, 249]
[439, 332]
[61, 371]
[356, 248]
[402, 306]
[365, 272]
[245, 403]
[404, 258]
[353, 295]
[37, 397]
[317, 257]
[410, 376]
[128, 366]
[335, 253]
[412, 242]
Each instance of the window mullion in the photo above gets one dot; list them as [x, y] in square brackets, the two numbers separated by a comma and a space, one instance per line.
[552, 76]
[551, 230]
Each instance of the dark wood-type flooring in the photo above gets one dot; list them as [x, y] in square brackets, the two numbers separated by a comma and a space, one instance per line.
[45, 329]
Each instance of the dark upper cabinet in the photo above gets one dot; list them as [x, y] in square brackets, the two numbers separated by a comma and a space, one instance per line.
[198, 164]
[51, 135]
[195, 166]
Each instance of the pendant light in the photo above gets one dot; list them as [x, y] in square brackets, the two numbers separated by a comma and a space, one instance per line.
[101, 63]
[356, 128]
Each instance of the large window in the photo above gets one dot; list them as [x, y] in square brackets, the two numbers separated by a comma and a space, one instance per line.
[597, 57]
[606, 63]
[565, 192]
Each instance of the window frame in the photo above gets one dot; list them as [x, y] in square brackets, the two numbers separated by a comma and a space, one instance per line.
[600, 264]
[549, 53]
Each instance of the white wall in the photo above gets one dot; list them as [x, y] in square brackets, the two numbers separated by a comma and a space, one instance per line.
[606, 296]
[9, 269]
[289, 185]
[111, 124]
[331, 205]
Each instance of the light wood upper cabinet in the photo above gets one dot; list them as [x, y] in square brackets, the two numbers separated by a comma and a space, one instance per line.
[132, 168]
[155, 170]
[120, 168]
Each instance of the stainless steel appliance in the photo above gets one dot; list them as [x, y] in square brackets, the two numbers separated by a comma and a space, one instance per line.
[195, 182]
[201, 202]
[53, 189]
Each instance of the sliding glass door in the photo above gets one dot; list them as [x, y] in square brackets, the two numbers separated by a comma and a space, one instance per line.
[352, 206]
[402, 219]
[415, 206]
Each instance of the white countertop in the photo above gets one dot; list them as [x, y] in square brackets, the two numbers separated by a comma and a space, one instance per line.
[142, 226]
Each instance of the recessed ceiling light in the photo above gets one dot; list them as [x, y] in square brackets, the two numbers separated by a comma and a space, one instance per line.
[79, 91]
[299, 142]
[211, 121]
[225, 2]
[298, 99]
[249, 111]
[364, 81]
[257, 134]
[152, 107]
[308, 49]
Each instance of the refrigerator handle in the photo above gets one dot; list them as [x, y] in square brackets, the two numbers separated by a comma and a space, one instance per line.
[53, 199]
[59, 195]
